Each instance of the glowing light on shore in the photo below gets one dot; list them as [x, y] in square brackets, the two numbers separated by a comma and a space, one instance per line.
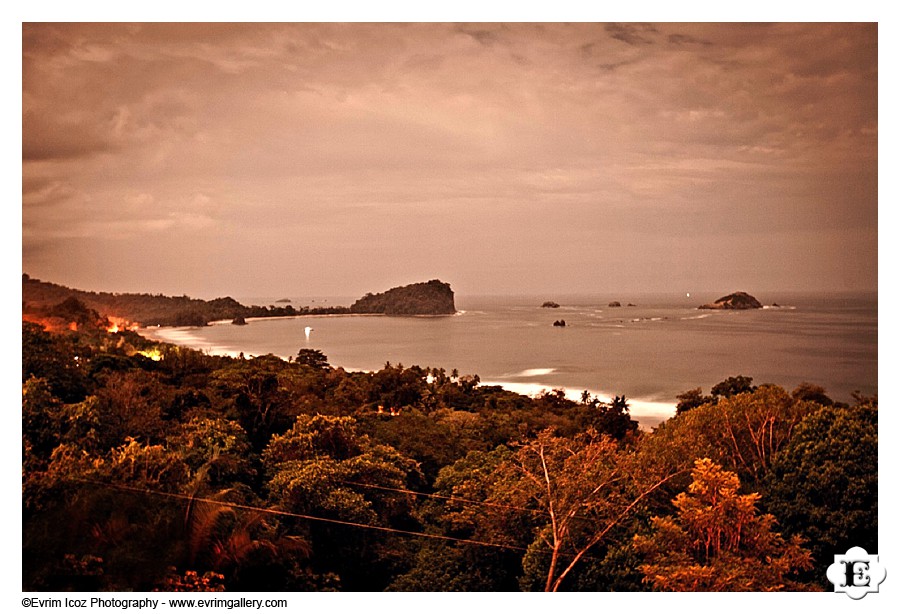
[153, 354]
[117, 324]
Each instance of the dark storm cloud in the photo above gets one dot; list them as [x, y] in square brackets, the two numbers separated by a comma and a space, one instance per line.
[633, 34]
[347, 149]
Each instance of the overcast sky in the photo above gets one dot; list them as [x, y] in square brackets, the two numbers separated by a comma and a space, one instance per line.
[326, 159]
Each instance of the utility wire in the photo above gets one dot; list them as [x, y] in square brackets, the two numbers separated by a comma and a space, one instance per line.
[458, 499]
[191, 498]
[444, 497]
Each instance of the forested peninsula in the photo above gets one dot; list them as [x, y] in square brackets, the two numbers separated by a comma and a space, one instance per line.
[54, 305]
[429, 298]
[148, 466]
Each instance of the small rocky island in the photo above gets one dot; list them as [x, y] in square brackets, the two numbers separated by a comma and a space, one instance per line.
[737, 300]
[431, 298]
[614, 304]
[559, 323]
[550, 305]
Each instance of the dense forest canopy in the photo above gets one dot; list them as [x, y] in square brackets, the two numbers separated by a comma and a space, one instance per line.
[430, 298]
[148, 466]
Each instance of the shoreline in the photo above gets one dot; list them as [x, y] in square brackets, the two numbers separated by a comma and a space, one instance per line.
[326, 315]
[648, 412]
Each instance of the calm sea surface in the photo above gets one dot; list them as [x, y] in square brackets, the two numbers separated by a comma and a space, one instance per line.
[649, 352]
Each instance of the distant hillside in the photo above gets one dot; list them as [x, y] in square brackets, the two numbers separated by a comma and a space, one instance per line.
[429, 298]
[51, 303]
[42, 299]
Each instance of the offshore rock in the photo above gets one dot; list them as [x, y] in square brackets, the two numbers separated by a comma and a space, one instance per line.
[738, 300]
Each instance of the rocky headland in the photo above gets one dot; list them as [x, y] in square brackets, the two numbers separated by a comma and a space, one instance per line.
[431, 298]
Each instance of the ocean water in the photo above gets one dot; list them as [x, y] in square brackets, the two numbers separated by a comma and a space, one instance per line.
[650, 351]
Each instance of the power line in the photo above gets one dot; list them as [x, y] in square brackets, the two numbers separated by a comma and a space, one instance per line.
[446, 497]
[192, 498]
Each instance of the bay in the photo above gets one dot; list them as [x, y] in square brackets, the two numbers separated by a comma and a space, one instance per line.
[650, 349]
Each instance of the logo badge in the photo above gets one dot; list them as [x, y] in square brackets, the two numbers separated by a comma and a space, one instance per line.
[856, 573]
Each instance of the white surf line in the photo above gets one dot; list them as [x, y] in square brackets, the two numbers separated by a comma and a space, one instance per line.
[652, 412]
[533, 372]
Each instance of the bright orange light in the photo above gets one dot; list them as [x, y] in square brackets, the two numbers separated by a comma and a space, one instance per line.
[117, 325]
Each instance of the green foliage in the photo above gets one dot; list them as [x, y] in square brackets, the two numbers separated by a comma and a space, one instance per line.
[742, 432]
[613, 419]
[464, 507]
[248, 550]
[732, 386]
[322, 469]
[314, 359]
[824, 483]
[40, 417]
[718, 541]
[472, 478]
[584, 489]
[55, 359]
[692, 398]
[74, 310]
[217, 449]
[132, 404]
[440, 566]
[260, 394]
[418, 436]
[429, 298]
[201, 472]
[313, 437]
[812, 392]
[152, 467]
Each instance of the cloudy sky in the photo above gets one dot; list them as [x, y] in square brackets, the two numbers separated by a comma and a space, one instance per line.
[336, 159]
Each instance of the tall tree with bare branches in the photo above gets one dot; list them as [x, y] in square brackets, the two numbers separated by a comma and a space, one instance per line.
[582, 489]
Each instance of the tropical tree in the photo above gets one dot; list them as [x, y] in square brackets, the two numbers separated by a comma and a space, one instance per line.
[216, 450]
[731, 386]
[717, 541]
[483, 537]
[342, 489]
[314, 359]
[742, 432]
[824, 483]
[248, 548]
[692, 398]
[55, 358]
[260, 393]
[583, 488]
